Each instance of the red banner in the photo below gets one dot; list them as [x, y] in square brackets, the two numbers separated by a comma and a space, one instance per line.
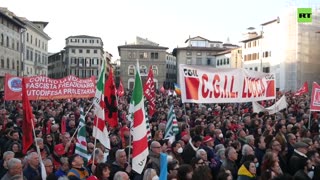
[42, 87]
[303, 89]
[315, 97]
[149, 92]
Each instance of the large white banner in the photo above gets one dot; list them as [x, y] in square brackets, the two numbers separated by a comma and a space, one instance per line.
[203, 84]
[278, 106]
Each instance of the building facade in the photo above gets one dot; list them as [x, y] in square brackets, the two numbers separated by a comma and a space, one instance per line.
[148, 54]
[287, 48]
[10, 44]
[200, 51]
[57, 66]
[83, 56]
[35, 45]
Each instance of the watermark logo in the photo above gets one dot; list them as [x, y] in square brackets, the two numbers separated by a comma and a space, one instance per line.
[304, 15]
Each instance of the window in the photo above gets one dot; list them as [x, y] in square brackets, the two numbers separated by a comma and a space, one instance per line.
[189, 53]
[189, 61]
[131, 70]
[2, 40]
[228, 61]
[13, 65]
[73, 50]
[208, 61]
[88, 51]
[8, 63]
[95, 61]
[218, 62]
[143, 69]
[256, 68]
[74, 60]
[155, 69]
[80, 50]
[131, 55]
[88, 62]
[2, 63]
[8, 41]
[199, 61]
[95, 51]
[143, 55]
[199, 54]
[81, 62]
[266, 69]
[154, 55]
[224, 61]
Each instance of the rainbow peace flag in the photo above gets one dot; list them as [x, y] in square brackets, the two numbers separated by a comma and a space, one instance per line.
[177, 89]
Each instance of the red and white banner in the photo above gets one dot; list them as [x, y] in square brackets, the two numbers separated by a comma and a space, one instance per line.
[303, 89]
[42, 87]
[315, 97]
[202, 84]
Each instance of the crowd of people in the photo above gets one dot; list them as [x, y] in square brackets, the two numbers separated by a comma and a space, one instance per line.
[215, 141]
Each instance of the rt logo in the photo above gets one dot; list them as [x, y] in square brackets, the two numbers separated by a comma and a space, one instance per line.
[304, 15]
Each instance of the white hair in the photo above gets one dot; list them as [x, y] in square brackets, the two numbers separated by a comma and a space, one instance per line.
[13, 162]
[199, 151]
[245, 149]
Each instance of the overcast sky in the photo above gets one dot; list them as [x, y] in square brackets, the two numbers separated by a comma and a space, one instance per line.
[167, 22]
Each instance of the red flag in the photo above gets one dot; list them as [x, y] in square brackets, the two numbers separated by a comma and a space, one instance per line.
[63, 125]
[315, 97]
[110, 99]
[303, 89]
[149, 92]
[27, 138]
[120, 90]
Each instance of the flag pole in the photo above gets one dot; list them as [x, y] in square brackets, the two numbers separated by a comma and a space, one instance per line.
[129, 150]
[95, 142]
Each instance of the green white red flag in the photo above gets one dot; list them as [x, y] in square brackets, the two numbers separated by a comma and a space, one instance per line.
[100, 130]
[139, 131]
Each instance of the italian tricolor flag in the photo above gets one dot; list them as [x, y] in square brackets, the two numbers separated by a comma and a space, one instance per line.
[139, 130]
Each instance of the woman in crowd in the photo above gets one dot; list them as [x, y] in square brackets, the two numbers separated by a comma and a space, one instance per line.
[247, 171]
[102, 171]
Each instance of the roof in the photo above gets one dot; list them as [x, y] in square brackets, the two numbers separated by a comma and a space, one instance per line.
[251, 39]
[202, 39]
[82, 36]
[13, 19]
[41, 22]
[224, 52]
[141, 46]
[269, 22]
[190, 48]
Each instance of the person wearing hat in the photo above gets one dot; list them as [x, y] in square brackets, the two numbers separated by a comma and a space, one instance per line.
[207, 145]
[298, 158]
[77, 171]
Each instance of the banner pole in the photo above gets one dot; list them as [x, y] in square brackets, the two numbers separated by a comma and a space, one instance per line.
[129, 150]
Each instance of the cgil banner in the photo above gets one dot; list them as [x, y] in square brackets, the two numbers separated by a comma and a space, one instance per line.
[43, 87]
[202, 84]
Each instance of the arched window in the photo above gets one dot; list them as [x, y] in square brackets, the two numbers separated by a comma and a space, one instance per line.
[8, 41]
[2, 40]
[228, 61]
[131, 70]
[155, 69]
[224, 61]
[218, 62]
[143, 69]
